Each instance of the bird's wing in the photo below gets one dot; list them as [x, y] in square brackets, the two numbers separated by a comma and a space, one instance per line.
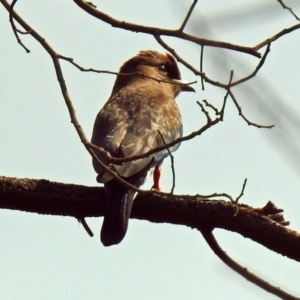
[133, 128]
[109, 131]
[148, 129]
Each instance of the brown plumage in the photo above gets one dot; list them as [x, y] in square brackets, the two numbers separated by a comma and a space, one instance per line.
[141, 104]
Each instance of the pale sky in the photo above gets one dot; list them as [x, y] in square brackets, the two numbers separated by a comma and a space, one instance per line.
[49, 257]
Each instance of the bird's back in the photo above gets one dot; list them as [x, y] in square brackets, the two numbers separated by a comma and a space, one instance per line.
[133, 121]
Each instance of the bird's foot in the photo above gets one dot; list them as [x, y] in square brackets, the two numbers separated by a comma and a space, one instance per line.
[156, 177]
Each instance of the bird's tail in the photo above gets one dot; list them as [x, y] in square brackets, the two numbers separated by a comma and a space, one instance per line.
[118, 209]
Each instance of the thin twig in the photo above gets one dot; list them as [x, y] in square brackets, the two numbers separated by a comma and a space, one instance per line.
[223, 107]
[261, 63]
[243, 116]
[211, 106]
[188, 16]
[204, 111]
[71, 60]
[288, 8]
[201, 66]
[276, 36]
[14, 28]
[22, 32]
[242, 191]
[229, 92]
[239, 197]
[172, 163]
[213, 244]
[86, 226]
[230, 79]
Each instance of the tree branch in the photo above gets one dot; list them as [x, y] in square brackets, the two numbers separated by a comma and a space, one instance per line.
[187, 17]
[276, 36]
[288, 8]
[212, 242]
[45, 197]
[162, 31]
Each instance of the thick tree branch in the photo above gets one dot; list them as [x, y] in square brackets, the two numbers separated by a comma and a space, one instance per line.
[45, 197]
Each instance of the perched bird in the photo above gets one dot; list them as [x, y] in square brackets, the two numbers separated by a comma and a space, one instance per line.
[140, 114]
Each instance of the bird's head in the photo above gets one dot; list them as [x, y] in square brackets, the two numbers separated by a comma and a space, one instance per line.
[152, 65]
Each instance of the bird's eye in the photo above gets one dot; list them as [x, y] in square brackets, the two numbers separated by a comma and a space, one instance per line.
[163, 68]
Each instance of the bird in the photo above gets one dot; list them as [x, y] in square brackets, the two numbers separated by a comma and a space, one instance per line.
[141, 114]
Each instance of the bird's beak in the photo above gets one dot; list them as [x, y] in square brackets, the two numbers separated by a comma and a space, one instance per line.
[184, 85]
